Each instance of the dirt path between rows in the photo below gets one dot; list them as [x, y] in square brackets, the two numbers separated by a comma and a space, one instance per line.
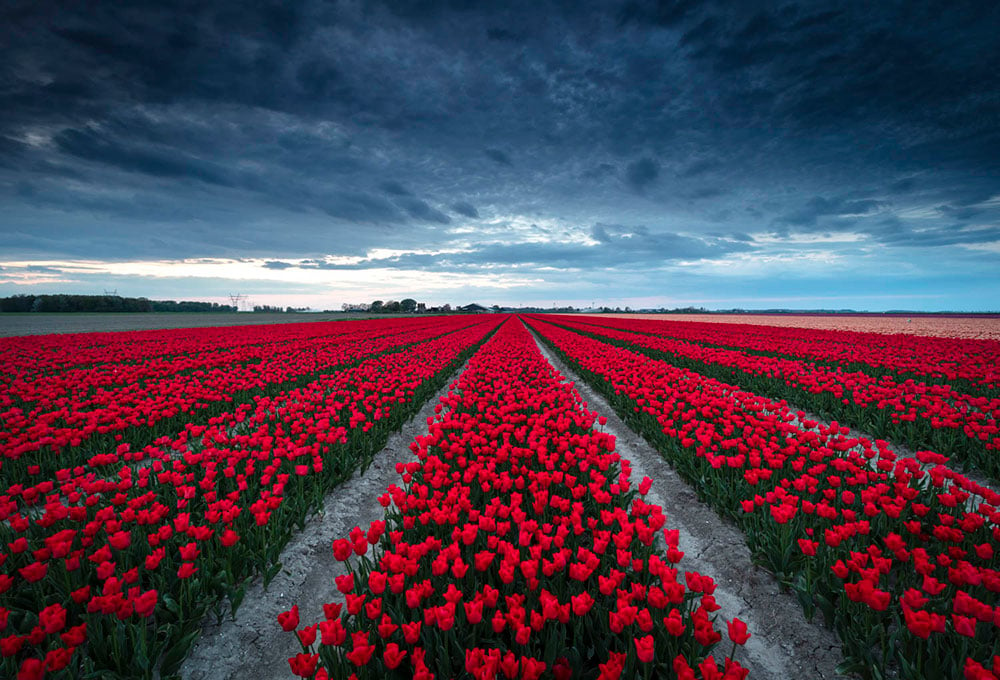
[253, 646]
[783, 644]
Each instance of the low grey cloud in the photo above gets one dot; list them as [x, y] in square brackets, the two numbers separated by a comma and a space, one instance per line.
[466, 209]
[961, 213]
[277, 265]
[358, 207]
[395, 188]
[892, 231]
[420, 210]
[821, 206]
[617, 247]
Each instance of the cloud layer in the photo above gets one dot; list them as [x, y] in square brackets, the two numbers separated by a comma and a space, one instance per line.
[616, 151]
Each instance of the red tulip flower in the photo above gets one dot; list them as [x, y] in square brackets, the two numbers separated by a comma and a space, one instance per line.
[738, 632]
[289, 620]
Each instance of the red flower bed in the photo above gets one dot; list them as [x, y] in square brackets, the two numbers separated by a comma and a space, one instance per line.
[920, 415]
[109, 566]
[976, 362]
[902, 556]
[54, 418]
[517, 547]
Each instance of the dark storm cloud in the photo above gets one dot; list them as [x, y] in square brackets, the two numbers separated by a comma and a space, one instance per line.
[663, 13]
[129, 206]
[503, 35]
[420, 210]
[360, 207]
[395, 188]
[699, 167]
[641, 173]
[91, 146]
[498, 156]
[279, 131]
[903, 185]
[600, 172]
[9, 150]
[644, 244]
[467, 209]
[821, 206]
[706, 192]
[962, 213]
[895, 232]
[863, 65]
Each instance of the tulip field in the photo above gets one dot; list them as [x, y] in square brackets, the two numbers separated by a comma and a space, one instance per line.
[929, 393]
[148, 478]
[898, 554]
[519, 546]
[119, 535]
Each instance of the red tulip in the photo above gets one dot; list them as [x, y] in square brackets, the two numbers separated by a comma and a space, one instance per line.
[58, 659]
[738, 631]
[304, 665]
[52, 618]
[31, 669]
[342, 549]
[289, 620]
[393, 656]
[644, 647]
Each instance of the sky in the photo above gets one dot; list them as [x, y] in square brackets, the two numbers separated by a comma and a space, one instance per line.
[643, 154]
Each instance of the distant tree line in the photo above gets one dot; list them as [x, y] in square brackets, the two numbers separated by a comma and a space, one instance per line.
[103, 303]
[393, 307]
[188, 306]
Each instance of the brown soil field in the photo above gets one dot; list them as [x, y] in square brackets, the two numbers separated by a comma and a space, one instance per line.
[981, 328]
[41, 324]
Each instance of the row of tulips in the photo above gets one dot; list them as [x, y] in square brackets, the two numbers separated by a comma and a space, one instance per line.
[108, 568]
[918, 415]
[42, 383]
[517, 546]
[968, 364]
[900, 555]
[75, 419]
[41, 365]
[34, 355]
